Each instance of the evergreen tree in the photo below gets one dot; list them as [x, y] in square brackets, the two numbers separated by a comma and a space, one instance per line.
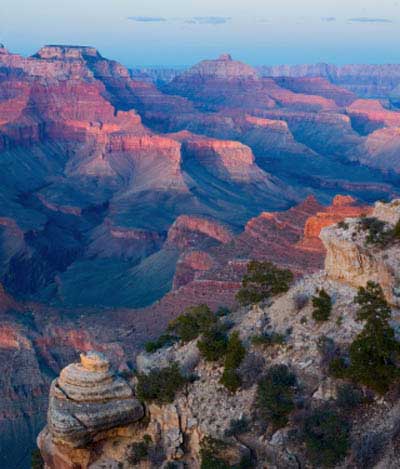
[322, 306]
[374, 350]
[263, 280]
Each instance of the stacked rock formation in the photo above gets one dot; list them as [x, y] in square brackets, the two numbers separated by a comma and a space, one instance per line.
[89, 398]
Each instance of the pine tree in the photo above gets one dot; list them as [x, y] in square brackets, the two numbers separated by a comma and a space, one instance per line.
[374, 350]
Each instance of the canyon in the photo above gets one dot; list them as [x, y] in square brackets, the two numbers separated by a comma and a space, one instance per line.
[177, 432]
[124, 200]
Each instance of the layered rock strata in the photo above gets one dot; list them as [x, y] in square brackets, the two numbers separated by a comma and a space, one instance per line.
[352, 259]
[89, 398]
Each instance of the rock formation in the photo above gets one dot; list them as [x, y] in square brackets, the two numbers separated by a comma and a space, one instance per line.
[369, 115]
[223, 68]
[86, 400]
[342, 207]
[226, 159]
[352, 259]
[189, 231]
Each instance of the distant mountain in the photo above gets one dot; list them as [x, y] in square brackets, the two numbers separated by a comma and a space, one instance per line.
[367, 81]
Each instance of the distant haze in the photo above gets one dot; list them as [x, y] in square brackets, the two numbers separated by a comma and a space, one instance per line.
[179, 33]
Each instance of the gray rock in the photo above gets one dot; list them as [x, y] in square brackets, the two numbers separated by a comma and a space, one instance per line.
[89, 398]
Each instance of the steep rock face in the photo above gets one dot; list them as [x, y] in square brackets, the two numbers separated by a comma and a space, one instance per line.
[325, 133]
[23, 393]
[381, 149]
[225, 159]
[188, 265]
[342, 207]
[320, 87]
[369, 115]
[366, 81]
[351, 259]
[35, 343]
[189, 231]
[212, 92]
[150, 162]
[43, 69]
[306, 102]
[66, 52]
[109, 240]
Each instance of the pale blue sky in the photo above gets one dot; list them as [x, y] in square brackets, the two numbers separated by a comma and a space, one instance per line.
[182, 32]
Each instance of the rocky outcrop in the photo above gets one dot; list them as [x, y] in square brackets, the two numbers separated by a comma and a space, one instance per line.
[89, 398]
[226, 159]
[189, 265]
[353, 260]
[67, 52]
[342, 207]
[189, 231]
[381, 149]
[369, 115]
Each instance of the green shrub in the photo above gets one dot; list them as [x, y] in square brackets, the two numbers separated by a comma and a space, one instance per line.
[162, 341]
[349, 397]
[245, 463]
[326, 435]
[373, 352]
[396, 230]
[138, 452]
[210, 454]
[213, 344]
[223, 311]
[234, 356]
[322, 306]
[338, 368]
[378, 232]
[263, 280]
[231, 379]
[237, 427]
[160, 385]
[343, 225]
[275, 396]
[36, 460]
[172, 465]
[235, 351]
[268, 339]
[193, 322]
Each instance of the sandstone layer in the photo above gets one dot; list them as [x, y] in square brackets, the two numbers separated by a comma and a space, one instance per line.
[87, 399]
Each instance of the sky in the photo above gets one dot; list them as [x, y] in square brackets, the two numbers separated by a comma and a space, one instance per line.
[177, 33]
